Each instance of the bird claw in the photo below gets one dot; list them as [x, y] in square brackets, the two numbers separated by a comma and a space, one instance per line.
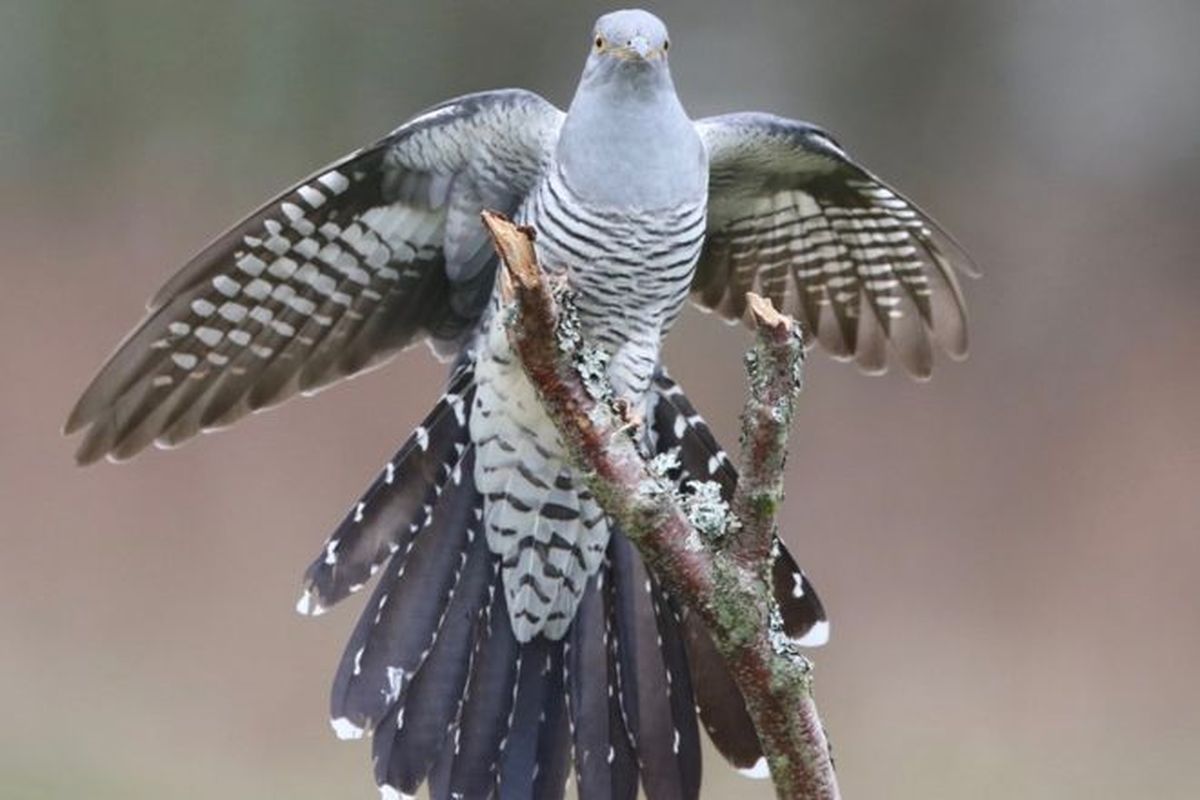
[631, 419]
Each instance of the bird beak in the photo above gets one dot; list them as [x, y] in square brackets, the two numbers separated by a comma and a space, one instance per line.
[639, 49]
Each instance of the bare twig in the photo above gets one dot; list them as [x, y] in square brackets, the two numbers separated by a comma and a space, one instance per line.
[729, 590]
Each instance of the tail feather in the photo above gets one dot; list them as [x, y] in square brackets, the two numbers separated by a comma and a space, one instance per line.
[487, 713]
[677, 424]
[407, 742]
[397, 631]
[679, 689]
[605, 764]
[396, 506]
[534, 763]
[803, 614]
[668, 753]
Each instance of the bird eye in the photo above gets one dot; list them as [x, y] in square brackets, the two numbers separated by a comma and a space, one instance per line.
[599, 42]
[666, 45]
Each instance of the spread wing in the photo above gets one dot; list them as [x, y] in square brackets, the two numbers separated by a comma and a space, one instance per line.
[370, 254]
[792, 217]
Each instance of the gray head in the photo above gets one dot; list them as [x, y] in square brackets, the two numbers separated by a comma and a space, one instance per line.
[631, 43]
[626, 140]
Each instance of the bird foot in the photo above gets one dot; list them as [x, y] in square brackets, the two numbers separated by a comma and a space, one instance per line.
[631, 418]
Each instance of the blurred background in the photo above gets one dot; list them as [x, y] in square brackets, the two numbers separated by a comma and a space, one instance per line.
[1011, 552]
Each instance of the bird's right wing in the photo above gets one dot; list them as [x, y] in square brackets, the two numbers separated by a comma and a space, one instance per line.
[370, 254]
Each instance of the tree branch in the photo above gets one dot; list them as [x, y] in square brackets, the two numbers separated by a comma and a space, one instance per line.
[728, 587]
[774, 367]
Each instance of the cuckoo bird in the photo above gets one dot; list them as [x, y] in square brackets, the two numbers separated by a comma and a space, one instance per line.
[513, 629]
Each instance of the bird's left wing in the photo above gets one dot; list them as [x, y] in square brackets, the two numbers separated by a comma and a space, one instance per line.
[792, 217]
[372, 253]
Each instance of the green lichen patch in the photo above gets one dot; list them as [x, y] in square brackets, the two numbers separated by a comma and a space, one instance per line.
[707, 510]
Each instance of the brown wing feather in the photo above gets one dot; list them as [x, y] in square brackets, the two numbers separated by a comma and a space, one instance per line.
[792, 217]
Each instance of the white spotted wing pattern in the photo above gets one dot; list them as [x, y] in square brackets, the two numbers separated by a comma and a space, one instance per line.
[376, 251]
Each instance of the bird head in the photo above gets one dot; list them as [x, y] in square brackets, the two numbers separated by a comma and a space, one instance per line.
[627, 140]
[628, 40]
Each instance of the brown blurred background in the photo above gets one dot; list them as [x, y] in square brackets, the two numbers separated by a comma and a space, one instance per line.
[1011, 552]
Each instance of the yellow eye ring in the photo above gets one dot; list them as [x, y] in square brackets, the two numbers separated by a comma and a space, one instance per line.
[599, 42]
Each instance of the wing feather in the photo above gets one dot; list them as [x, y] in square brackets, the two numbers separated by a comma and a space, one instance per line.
[365, 257]
[793, 217]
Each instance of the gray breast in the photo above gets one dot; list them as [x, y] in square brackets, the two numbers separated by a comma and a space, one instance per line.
[631, 273]
[630, 269]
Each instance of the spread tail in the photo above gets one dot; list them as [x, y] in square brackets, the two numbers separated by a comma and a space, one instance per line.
[451, 697]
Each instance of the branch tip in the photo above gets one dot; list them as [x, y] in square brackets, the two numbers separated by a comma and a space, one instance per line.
[765, 314]
[515, 245]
